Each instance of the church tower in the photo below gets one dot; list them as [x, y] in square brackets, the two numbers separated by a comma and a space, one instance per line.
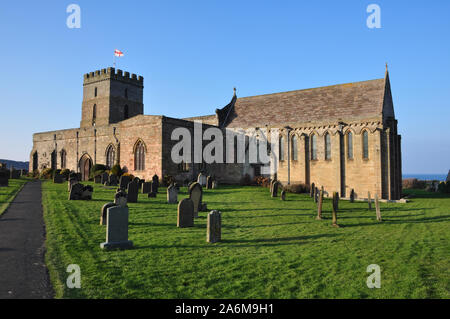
[110, 97]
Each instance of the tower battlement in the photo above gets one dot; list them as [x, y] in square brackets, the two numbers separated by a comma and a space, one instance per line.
[111, 73]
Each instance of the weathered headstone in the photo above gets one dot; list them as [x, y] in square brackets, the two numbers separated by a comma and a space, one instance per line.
[283, 195]
[113, 180]
[132, 190]
[124, 181]
[155, 179]
[141, 182]
[154, 187]
[214, 227]
[352, 196]
[312, 190]
[120, 198]
[209, 182]
[185, 216]
[369, 200]
[137, 180]
[172, 194]
[335, 200]
[105, 178]
[117, 228]
[76, 191]
[146, 187]
[316, 195]
[196, 194]
[377, 208]
[103, 213]
[71, 182]
[87, 192]
[97, 179]
[58, 179]
[274, 192]
[319, 206]
[201, 179]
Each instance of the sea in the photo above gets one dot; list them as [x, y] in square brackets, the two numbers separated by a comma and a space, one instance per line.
[427, 177]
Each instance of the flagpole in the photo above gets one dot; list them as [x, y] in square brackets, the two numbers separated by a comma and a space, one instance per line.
[114, 63]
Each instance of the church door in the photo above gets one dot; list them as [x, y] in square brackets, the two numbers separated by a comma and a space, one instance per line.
[85, 167]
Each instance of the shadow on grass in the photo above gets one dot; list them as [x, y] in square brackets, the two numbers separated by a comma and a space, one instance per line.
[388, 220]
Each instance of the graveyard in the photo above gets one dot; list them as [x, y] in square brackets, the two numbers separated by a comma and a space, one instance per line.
[269, 247]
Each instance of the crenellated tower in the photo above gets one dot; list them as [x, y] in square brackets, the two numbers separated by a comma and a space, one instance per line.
[111, 96]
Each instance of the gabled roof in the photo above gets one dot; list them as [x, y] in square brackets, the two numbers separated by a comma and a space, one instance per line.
[343, 102]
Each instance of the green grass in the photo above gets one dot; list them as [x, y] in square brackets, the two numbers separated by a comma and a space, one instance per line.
[270, 248]
[7, 194]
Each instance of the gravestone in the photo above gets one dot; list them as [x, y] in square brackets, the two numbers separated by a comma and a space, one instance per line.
[154, 187]
[146, 187]
[172, 194]
[15, 174]
[141, 182]
[103, 213]
[155, 179]
[283, 195]
[209, 181]
[201, 179]
[137, 180]
[352, 196]
[319, 206]
[214, 227]
[105, 178]
[97, 179]
[377, 208]
[312, 190]
[335, 200]
[4, 178]
[86, 194]
[117, 228]
[113, 180]
[58, 179]
[369, 200]
[76, 191]
[196, 194]
[215, 184]
[124, 181]
[316, 195]
[271, 185]
[274, 192]
[133, 190]
[185, 217]
[72, 180]
[120, 198]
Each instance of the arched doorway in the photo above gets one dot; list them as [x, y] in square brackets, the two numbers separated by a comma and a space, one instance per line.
[85, 167]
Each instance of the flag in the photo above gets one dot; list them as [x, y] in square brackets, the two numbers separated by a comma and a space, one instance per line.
[118, 52]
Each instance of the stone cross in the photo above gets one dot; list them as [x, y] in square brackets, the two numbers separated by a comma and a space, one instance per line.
[117, 228]
[133, 190]
[335, 208]
[196, 194]
[319, 207]
[377, 208]
[214, 227]
[172, 194]
[185, 216]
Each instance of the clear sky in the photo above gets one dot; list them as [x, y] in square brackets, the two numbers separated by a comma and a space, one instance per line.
[192, 54]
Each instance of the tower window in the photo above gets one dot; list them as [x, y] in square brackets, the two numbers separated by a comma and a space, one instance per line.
[95, 92]
[350, 145]
[53, 160]
[313, 147]
[294, 148]
[110, 156]
[63, 159]
[94, 114]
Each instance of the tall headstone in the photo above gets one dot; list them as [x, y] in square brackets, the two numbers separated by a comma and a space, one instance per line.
[172, 194]
[146, 187]
[196, 194]
[319, 206]
[124, 181]
[185, 217]
[214, 227]
[155, 179]
[133, 190]
[352, 196]
[377, 208]
[117, 228]
[71, 182]
[103, 213]
[275, 189]
[335, 200]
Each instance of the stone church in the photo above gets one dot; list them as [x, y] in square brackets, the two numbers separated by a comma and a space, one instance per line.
[342, 137]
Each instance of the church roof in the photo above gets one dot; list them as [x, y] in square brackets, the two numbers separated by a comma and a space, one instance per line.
[343, 102]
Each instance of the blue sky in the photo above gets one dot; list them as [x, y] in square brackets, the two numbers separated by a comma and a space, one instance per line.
[192, 54]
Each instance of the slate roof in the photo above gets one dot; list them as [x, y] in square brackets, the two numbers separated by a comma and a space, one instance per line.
[343, 102]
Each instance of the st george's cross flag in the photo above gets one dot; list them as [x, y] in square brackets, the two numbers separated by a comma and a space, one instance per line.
[118, 52]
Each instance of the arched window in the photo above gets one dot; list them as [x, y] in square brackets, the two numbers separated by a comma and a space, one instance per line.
[282, 148]
[110, 156]
[94, 114]
[327, 146]
[294, 148]
[125, 112]
[95, 92]
[313, 147]
[350, 145]
[53, 160]
[63, 159]
[139, 157]
[365, 137]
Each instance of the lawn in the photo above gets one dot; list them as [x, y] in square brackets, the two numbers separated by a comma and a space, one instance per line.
[270, 248]
[7, 194]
